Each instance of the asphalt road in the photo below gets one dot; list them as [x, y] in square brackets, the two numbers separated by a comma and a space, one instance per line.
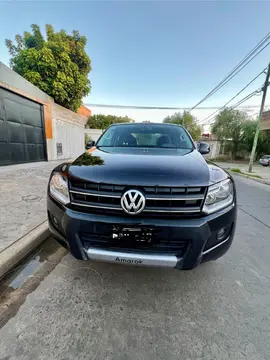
[221, 310]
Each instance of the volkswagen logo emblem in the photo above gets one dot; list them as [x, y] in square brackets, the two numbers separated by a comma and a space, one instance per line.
[133, 202]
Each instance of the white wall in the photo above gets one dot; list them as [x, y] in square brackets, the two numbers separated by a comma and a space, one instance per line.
[214, 148]
[71, 137]
[14, 80]
[94, 133]
[68, 130]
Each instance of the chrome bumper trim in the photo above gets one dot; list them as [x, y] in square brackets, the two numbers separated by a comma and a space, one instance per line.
[167, 261]
[214, 247]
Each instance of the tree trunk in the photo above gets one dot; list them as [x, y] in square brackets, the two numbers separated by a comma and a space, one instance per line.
[223, 147]
[234, 150]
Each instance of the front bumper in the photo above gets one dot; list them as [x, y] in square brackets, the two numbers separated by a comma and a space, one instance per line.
[200, 234]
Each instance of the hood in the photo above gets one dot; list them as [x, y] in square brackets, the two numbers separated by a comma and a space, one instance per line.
[145, 167]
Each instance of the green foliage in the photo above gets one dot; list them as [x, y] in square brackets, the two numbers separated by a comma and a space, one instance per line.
[188, 121]
[237, 170]
[236, 126]
[229, 125]
[255, 176]
[88, 159]
[87, 138]
[100, 121]
[57, 65]
[263, 145]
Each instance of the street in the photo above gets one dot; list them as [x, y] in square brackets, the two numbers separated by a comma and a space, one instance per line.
[220, 310]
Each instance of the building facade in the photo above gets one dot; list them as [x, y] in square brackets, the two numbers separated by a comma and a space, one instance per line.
[32, 126]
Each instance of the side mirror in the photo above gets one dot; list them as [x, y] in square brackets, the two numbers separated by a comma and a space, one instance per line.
[203, 148]
[90, 144]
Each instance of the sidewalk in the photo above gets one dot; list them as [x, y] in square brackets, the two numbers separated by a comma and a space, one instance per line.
[22, 199]
[259, 170]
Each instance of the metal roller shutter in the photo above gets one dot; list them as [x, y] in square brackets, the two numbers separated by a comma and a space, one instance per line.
[22, 133]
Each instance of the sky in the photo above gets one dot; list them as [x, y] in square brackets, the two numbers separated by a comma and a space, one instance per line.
[154, 53]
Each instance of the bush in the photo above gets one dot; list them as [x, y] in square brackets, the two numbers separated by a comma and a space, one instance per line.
[236, 170]
[87, 138]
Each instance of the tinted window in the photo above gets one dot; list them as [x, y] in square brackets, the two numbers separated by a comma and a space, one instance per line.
[155, 136]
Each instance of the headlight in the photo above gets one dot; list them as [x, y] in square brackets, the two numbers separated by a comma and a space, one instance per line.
[218, 196]
[59, 188]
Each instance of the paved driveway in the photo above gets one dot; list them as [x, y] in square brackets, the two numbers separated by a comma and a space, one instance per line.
[220, 310]
[23, 191]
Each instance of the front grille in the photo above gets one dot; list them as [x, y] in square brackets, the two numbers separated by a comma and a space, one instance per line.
[157, 246]
[105, 198]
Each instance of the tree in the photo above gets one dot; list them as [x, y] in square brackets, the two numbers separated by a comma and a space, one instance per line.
[100, 121]
[57, 65]
[263, 145]
[188, 121]
[229, 125]
[88, 159]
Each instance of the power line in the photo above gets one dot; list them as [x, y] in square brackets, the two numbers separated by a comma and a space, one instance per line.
[156, 107]
[234, 74]
[244, 88]
[236, 69]
[247, 97]
[244, 65]
[117, 106]
[256, 92]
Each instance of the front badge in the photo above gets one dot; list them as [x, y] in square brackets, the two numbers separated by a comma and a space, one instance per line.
[133, 202]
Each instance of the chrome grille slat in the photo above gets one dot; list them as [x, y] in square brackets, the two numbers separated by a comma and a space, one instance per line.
[96, 206]
[171, 197]
[181, 200]
[192, 190]
[96, 194]
[175, 197]
[173, 210]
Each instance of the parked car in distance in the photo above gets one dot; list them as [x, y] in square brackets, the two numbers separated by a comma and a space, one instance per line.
[265, 160]
[143, 195]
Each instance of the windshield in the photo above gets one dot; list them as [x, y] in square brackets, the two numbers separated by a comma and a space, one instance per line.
[152, 136]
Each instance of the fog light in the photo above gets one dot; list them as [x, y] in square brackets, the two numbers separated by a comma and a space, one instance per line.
[221, 233]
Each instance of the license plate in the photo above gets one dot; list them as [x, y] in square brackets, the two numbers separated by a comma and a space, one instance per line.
[137, 235]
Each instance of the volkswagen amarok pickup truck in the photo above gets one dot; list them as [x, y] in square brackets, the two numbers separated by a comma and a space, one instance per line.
[143, 195]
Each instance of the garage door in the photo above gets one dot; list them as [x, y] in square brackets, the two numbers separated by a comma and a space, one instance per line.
[22, 135]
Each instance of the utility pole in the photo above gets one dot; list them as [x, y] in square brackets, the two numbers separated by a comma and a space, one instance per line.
[255, 141]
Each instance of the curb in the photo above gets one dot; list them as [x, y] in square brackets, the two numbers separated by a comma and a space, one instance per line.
[249, 177]
[261, 181]
[14, 253]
